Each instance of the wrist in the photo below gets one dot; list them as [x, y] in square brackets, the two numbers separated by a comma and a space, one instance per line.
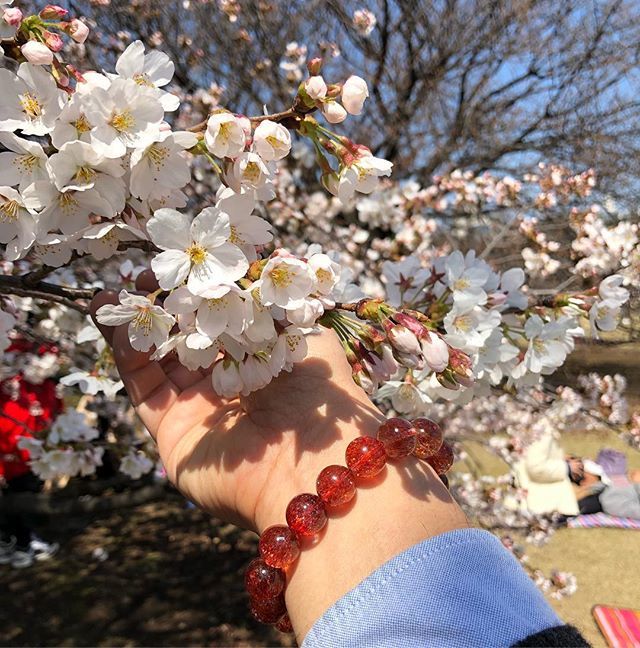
[309, 451]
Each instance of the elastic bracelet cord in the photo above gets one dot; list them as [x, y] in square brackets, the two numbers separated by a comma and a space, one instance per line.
[307, 514]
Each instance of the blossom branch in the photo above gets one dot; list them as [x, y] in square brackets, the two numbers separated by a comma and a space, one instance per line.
[46, 291]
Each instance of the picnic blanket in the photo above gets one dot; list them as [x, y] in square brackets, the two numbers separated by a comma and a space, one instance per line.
[620, 626]
[602, 520]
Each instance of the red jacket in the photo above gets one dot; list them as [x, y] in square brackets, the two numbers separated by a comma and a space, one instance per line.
[25, 409]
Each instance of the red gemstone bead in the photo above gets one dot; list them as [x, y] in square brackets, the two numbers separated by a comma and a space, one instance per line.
[443, 459]
[263, 581]
[284, 625]
[268, 610]
[278, 546]
[428, 438]
[365, 456]
[398, 436]
[306, 515]
[335, 485]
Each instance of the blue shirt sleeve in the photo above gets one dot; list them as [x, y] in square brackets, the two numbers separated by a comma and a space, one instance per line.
[456, 590]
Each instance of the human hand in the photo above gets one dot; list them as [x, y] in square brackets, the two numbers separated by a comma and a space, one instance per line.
[242, 459]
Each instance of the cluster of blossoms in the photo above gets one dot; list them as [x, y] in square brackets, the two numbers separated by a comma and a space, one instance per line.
[67, 450]
[93, 170]
[112, 175]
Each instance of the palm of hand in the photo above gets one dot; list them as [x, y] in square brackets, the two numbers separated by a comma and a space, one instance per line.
[241, 459]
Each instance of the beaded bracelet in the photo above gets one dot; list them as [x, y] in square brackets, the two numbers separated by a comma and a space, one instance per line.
[307, 514]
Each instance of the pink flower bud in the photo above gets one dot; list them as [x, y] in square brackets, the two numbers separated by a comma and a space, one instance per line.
[12, 16]
[403, 339]
[77, 30]
[53, 41]
[53, 12]
[334, 113]
[411, 323]
[314, 66]
[435, 351]
[315, 87]
[37, 53]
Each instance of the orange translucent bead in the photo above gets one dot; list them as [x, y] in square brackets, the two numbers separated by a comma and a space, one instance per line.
[335, 485]
[398, 436]
[263, 581]
[428, 437]
[278, 546]
[284, 624]
[443, 459]
[306, 515]
[268, 610]
[365, 456]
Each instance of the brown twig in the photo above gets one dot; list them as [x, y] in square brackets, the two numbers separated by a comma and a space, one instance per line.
[44, 291]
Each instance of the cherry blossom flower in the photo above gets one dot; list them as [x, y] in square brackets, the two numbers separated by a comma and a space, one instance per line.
[197, 250]
[250, 171]
[30, 101]
[135, 464]
[92, 384]
[247, 230]
[362, 176]
[285, 281]
[162, 166]
[72, 123]
[549, 344]
[149, 325]
[271, 141]
[23, 164]
[126, 115]
[465, 283]
[226, 312]
[17, 223]
[151, 70]
[225, 135]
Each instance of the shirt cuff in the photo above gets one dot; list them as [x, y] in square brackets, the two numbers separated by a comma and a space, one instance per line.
[458, 589]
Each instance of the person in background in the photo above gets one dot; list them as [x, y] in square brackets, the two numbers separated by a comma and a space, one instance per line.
[25, 409]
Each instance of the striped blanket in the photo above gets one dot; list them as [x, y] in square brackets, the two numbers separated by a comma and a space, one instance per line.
[602, 520]
[620, 626]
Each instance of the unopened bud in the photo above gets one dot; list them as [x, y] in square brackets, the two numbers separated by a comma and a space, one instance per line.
[77, 30]
[12, 16]
[369, 309]
[53, 41]
[37, 53]
[314, 66]
[411, 323]
[53, 12]
[334, 113]
[435, 351]
[403, 339]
